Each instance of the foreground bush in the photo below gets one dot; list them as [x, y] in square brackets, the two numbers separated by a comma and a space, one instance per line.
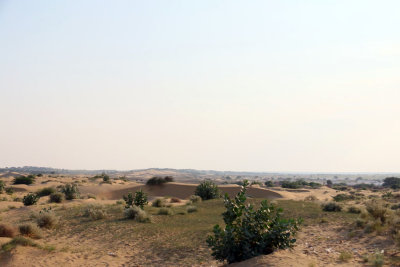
[56, 197]
[248, 232]
[30, 199]
[207, 190]
[331, 207]
[30, 179]
[70, 191]
[30, 230]
[7, 230]
[137, 214]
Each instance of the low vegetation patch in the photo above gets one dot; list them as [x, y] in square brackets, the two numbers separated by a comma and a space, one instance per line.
[46, 219]
[159, 180]
[18, 241]
[46, 191]
[191, 209]
[159, 202]
[7, 230]
[195, 199]
[56, 197]
[140, 199]
[137, 214]
[30, 199]
[30, 179]
[70, 191]
[30, 230]
[331, 207]
[95, 212]
[207, 190]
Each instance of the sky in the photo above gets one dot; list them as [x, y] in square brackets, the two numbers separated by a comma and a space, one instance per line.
[280, 86]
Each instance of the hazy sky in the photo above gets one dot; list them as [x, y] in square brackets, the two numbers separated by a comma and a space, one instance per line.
[225, 85]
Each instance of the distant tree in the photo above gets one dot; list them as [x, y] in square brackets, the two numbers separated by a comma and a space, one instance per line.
[392, 182]
[269, 184]
[329, 183]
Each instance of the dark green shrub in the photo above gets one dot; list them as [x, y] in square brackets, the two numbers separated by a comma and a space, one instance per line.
[30, 179]
[70, 191]
[331, 207]
[30, 199]
[46, 191]
[207, 190]
[343, 197]
[139, 200]
[392, 182]
[56, 197]
[248, 232]
[269, 184]
[9, 190]
[2, 186]
[159, 180]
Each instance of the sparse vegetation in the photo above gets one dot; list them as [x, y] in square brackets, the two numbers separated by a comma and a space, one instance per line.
[165, 211]
[7, 230]
[137, 214]
[18, 241]
[46, 191]
[30, 179]
[56, 197]
[159, 202]
[159, 180]
[191, 209]
[331, 207]
[353, 209]
[30, 230]
[95, 212]
[46, 219]
[248, 232]
[345, 256]
[2, 186]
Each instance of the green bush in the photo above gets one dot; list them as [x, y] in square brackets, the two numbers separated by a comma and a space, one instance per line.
[269, 183]
[159, 180]
[343, 197]
[70, 191]
[377, 211]
[30, 199]
[9, 190]
[331, 207]
[46, 191]
[30, 179]
[56, 197]
[207, 190]
[249, 232]
[392, 182]
[140, 199]
[137, 214]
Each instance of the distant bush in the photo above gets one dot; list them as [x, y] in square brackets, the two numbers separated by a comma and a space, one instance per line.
[30, 179]
[191, 209]
[137, 214]
[30, 199]
[159, 180]
[364, 186]
[159, 202]
[175, 200]
[329, 183]
[343, 197]
[56, 197]
[269, 184]
[195, 199]
[70, 191]
[392, 182]
[377, 211]
[30, 230]
[46, 191]
[331, 207]
[299, 184]
[207, 190]
[2, 186]
[7, 230]
[310, 198]
[248, 232]
[106, 179]
[9, 190]
[95, 212]
[165, 211]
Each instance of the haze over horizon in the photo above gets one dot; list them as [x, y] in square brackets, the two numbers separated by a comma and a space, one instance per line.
[215, 85]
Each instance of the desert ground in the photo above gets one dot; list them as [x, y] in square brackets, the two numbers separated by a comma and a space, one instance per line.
[178, 239]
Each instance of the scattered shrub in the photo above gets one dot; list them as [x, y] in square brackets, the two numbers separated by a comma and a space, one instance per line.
[165, 211]
[377, 211]
[345, 256]
[269, 184]
[30, 199]
[30, 230]
[343, 197]
[159, 202]
[207, 190]
[137, 214]
[195, 199]
[191, 209]
[95, 212]
[106, 179]
[353, 209]
[139, 200]
[310, 198]
[395, 207]
[7, 230]
[46, 191]
[248, 232]
[18, 241]
[46, 219]
[9, 190]
[331, 207]
[90, 196]
[56, 197]
[30, 179]
[70, 191]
